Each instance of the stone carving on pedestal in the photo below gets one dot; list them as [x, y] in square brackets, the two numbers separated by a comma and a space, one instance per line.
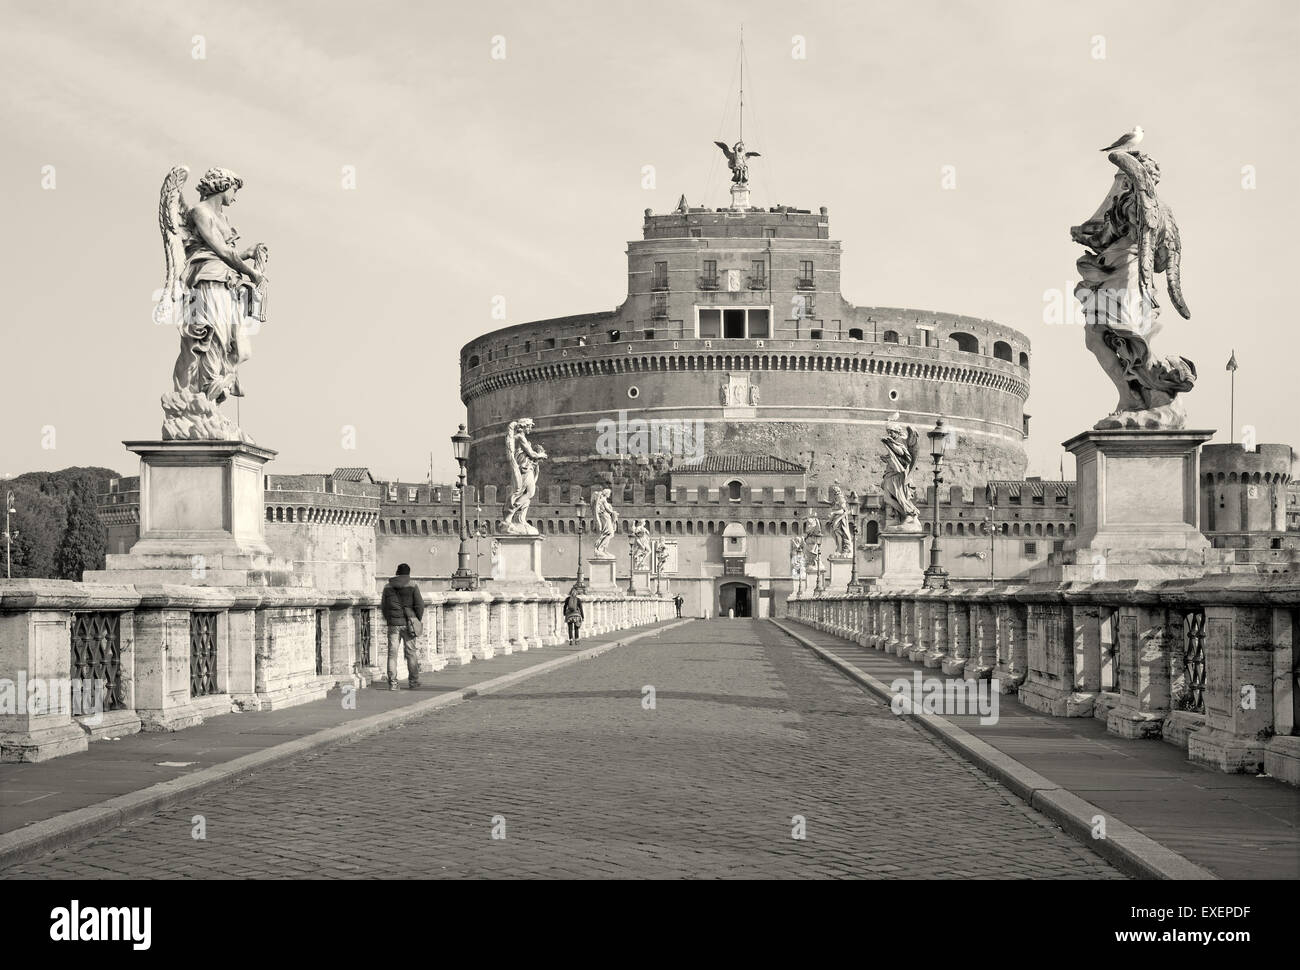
[524, 460]
[1131, 238]
[606, 522]
[215, 293]
[840, 529]
[903, 445]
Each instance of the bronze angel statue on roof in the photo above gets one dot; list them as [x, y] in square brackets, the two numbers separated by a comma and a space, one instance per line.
[215, 293]
[1131, 238]
[902, 448]
[737, 160]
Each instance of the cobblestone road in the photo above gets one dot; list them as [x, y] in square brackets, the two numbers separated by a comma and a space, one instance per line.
[748, 730]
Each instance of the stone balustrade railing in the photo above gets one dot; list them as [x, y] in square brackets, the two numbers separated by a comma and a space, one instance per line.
[1210, 665]
[80, 661]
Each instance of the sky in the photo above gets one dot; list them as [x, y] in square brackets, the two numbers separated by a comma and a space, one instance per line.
[523, 176]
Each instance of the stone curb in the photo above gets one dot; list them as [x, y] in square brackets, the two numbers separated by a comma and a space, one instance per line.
[1124, 846]
[39, 838]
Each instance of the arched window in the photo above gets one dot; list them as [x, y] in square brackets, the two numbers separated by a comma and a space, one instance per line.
[889, 337]
[1024, 360]
[733, 489]
[873, 532]
[1002, 350]
[473, 361]
[424, 527]
[966, 343]
[403, 527]
[383, 527]
[855, 333]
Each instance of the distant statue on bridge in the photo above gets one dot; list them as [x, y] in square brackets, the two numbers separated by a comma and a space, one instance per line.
[524, 459]
[640, 540]
[903, 447]
[605, 520]
[841, 529]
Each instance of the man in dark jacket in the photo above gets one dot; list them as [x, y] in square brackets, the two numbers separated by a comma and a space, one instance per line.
[677, 602]
[400, 602]
[573, 615]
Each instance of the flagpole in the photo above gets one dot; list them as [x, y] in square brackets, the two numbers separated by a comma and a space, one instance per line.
[1232, 396]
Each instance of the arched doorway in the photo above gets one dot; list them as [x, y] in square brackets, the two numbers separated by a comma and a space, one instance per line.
[738, 597]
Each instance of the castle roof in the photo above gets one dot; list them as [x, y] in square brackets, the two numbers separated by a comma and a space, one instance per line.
[353, 475]
[739, 464]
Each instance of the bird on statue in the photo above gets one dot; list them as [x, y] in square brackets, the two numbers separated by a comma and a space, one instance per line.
[1126, 142]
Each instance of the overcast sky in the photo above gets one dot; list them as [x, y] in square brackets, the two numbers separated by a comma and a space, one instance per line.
[522, 177]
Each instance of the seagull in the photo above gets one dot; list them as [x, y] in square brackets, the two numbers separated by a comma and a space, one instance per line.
[1126, 142]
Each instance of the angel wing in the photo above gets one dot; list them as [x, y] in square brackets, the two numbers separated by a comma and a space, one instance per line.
[753, 154]
[511, 446]
[913, 446]
[1159, 246]
[726, 150]
[172, 211]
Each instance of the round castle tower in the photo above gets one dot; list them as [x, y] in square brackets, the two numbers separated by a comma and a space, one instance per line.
[734, 338]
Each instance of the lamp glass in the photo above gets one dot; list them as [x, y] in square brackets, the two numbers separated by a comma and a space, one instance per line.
[460, 445]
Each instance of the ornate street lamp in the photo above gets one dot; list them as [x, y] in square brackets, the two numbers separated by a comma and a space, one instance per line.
[935, 576]
[463, 578]
[853, 532]
[9, 534]
[581, 508]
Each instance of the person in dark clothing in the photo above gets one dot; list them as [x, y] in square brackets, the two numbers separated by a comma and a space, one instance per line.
[677, 602]
[400, 604]
[573, 615]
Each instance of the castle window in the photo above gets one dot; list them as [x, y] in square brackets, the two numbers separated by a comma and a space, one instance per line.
[528, 345]
[1002, 350]
[473, 361]
[696, 233]
[815, 334]
[966, 343]
[709, 325]
[889, 337]
[769, 232]
[660, 279]
[759, 323]
[873, 532]
[758, 274]
[1024, 360]
[1031, 548]
[855, 333]
[649, 334]
[549, 343]
[709, 279]
[613, 336]
[733, 323]
[733, 490]
[659, 306]
[805, 274]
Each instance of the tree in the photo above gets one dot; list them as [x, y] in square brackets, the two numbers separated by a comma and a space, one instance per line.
[39, 523]
[84, 539]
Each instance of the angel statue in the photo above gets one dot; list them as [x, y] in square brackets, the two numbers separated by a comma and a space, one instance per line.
[641, 544]
[798, 568]
[737, 160]
[661, 556]
[216, 293]
[841, 529]
[606, 522]
[1131, 238]
[902, 446]
[524, 459]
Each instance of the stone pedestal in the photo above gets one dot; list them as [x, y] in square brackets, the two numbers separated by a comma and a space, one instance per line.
[840, 573]
[519, 559]
[1137, 509]
[641, 582]
[202, 518]
[902, 559]
[740, 195]
[601, 574]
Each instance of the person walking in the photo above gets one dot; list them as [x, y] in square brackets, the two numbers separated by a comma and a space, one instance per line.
[677, 602]
[573, 615]
[403, 609]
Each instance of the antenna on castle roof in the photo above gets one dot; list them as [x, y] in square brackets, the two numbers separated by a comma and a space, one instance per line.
[742, 82]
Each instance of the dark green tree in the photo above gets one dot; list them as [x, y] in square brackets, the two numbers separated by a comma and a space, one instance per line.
[84, 538]
[39, 525]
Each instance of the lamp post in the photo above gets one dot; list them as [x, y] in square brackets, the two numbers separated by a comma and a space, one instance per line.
[9, 534]
[463, 578]
[581, 509]
[631, 583]
[816, 536]
[853, 533]
[935, 576]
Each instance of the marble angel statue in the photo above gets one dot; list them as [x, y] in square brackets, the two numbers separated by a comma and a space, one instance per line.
[641, 544]
[605, 520]
[215, 293]
[841, 529]
[1131, 238]
[902, 448]
[524, 461]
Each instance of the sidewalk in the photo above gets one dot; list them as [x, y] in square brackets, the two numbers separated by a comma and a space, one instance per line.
[1235, 826]
[44, 792]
